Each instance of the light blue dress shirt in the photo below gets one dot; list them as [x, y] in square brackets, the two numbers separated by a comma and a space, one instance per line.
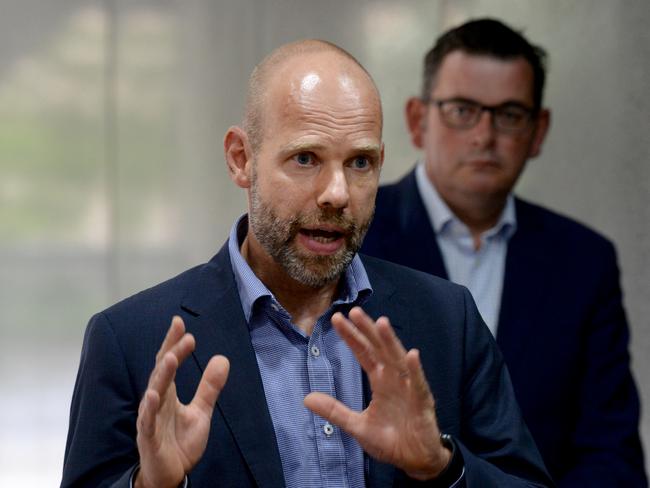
[314, 453]
[482, 270]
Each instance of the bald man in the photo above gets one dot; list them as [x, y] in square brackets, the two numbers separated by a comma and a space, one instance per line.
[309, 349]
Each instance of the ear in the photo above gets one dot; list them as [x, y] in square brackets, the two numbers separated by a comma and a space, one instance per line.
[541, 129]
[239, 156]
[415, 112]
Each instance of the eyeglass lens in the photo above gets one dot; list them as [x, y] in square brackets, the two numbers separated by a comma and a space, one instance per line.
[465, 115]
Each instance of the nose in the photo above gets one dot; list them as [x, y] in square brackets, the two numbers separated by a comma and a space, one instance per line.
[484, 132]
[334, 191]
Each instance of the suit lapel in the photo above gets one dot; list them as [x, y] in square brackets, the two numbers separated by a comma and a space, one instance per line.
[527, 274]
[419, 248]
[220, 328]
[381, 475]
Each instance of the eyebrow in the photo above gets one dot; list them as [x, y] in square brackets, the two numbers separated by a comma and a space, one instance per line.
[369, 148]
[296, 147]
[505, 103]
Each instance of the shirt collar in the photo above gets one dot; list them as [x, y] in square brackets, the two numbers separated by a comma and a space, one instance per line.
[356, 287]
[442, 218]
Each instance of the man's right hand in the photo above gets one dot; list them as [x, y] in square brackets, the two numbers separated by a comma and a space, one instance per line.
[172, 436]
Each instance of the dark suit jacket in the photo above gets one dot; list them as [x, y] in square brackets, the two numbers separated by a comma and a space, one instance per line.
[562, 331]
[474, 399]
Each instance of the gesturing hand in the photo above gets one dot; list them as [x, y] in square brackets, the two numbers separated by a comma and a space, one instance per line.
[399, 425]
[172, 436]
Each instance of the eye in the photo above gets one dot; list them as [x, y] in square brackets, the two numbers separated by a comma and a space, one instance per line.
[361, 162]
[462, 110]
[512, 115]
[304, 159]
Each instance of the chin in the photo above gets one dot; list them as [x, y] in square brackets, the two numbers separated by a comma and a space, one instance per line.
[314, 270]
[487, 184]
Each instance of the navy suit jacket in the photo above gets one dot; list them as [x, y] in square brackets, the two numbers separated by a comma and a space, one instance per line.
[562, 330]
[474, 398]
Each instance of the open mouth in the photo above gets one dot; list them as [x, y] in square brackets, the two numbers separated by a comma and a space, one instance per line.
[321, 235]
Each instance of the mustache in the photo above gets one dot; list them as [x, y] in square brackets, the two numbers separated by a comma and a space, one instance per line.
[335, 217]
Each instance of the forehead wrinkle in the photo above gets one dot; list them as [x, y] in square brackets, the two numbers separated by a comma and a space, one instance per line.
[331, 103]
[339, 132]
[327, 113]
[311, 118]
[334, 119]
[334, 133]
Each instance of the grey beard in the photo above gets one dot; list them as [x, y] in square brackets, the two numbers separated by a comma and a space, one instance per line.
[277, 237]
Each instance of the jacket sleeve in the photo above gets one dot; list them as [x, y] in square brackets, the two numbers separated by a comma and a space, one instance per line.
[606, 442]
[101, 449]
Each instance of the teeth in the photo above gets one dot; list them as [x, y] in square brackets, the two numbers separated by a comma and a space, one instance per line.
[323, 239]
[322, 236]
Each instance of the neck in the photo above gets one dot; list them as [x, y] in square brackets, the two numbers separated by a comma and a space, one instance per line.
[478, 212]
[305, 304]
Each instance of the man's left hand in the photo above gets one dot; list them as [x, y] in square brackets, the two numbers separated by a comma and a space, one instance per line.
[399, 425]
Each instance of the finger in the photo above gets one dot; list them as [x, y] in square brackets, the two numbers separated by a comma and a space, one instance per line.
[212, 382]
[356, 341]
[420, 385]
[388, 348]
[333, 410]
[366, 326]
[183, 348]
[391, 345]
[174, 334]
[165, 369]
[147, 413]
[163, 374]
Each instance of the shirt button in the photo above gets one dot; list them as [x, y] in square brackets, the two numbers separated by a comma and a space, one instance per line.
[315, 351]
[328, 429]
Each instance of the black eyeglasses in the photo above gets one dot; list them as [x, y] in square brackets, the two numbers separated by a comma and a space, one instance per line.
[459, 113]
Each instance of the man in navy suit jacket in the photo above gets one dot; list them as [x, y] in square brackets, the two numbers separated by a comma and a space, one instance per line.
[277, 312]
[546, 286]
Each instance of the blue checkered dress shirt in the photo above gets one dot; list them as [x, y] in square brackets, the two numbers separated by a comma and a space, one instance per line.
[314, 453]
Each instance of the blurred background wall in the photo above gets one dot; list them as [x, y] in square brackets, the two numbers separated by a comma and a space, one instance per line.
[112, 176]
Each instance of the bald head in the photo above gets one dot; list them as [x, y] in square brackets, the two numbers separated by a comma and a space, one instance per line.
[314, 58]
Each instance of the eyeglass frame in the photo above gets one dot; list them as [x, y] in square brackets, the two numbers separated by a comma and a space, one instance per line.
[530, 113]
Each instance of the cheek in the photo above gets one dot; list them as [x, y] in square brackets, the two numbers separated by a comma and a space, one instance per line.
[363, 199]
[289, 204]
[514, 152]
[281, 197]
[445, 154]
[442, 140]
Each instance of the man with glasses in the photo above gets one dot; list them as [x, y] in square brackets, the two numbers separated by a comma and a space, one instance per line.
[546, 286]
